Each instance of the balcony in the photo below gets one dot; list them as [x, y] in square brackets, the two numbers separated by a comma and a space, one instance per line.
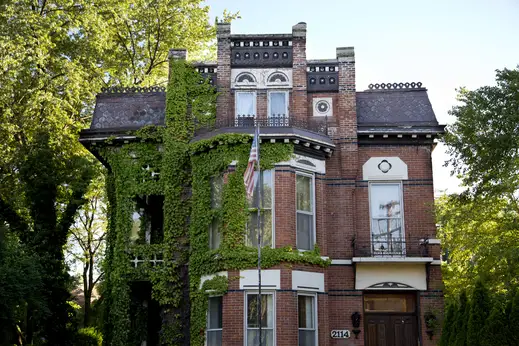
[391, 250]
[309, 135]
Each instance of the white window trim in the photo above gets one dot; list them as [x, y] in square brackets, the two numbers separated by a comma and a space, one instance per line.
[314, 235]
[401, 187]
[207, 330]
[254, 101]
[274, 317]
[272, 209]
[286, 101]
[316, 321]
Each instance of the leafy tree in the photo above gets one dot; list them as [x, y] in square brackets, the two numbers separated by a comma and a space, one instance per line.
[481, 235]
[448, 323]
[86, 241]
[480, 306]
[54, 57]
[483, 142]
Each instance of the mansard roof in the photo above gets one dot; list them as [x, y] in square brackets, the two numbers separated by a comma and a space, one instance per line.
[398, 110]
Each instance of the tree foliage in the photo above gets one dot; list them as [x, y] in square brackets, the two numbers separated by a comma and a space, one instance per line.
[482, 142]
[54, 57]
[480, 235]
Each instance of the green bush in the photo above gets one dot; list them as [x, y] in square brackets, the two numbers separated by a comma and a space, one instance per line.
[480, 307]
[448, 323]
[88, 337]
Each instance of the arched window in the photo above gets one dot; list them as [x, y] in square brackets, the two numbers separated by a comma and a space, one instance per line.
[245, 79]
[277, 78]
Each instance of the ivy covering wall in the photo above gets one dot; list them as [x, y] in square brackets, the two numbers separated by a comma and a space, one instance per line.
[182, 174]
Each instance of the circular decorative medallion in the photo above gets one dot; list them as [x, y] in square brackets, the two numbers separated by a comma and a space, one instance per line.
[384, 166]
[322, 106]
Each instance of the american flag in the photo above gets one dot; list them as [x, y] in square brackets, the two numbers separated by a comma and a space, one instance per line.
[250, 172]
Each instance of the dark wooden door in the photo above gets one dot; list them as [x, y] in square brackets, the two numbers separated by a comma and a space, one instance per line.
[404, 330]
[391, 330]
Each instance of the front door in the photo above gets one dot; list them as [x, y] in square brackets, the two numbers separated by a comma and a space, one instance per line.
[390, 319]
[391, 330]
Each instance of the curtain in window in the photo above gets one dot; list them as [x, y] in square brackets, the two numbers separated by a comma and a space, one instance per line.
[267, 320]
[245, 103]
[306, 307]
[266, 212]
[305, 213]
[214, 322]
[278, 104]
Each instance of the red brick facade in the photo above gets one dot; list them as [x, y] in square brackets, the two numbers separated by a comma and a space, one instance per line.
[341, 209]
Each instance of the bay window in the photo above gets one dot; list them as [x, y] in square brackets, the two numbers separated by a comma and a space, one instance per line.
[387, 235]
[253, 321]
[305, 214]
[307, 313]
[266, 207]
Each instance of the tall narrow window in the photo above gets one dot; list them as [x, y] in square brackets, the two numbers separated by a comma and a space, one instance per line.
[267, 320]
[148, 220]
[216, 205]
[278, 104]
[305, 223]
[307, 320]
[245, 104]
[214, 322]
[387, 236]
[265, 211]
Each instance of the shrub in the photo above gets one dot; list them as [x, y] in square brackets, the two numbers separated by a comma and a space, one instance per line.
[88, 337]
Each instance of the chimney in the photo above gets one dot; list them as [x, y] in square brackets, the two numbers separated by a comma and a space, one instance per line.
[347, 117]
[347, 97]
[299, 108]
[224, 107]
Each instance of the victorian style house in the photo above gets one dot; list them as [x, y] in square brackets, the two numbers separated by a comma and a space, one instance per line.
[356, 192]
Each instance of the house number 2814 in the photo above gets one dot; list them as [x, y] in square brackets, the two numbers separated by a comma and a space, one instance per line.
[340, 334]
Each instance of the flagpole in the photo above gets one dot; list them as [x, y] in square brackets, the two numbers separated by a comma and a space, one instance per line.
[260, 204]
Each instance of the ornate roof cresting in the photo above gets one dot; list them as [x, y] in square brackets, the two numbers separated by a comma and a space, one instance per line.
[387, 86]
[127, 90]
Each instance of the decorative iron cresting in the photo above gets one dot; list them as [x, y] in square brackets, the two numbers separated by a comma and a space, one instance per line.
[136, 90]
[319, 126]
[388, 86]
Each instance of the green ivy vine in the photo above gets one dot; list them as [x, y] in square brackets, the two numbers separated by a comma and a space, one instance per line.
[185, 168]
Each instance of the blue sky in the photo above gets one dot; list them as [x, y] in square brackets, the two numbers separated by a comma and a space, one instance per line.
[443, 44]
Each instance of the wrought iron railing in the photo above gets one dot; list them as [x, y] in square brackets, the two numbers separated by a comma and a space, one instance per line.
[410, 247]
[318, 125]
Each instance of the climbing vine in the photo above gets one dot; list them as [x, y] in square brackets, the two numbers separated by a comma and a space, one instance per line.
[168, 161]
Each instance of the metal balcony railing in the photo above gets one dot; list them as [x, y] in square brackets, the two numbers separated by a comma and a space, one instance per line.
[318, 125]
[388, 247]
